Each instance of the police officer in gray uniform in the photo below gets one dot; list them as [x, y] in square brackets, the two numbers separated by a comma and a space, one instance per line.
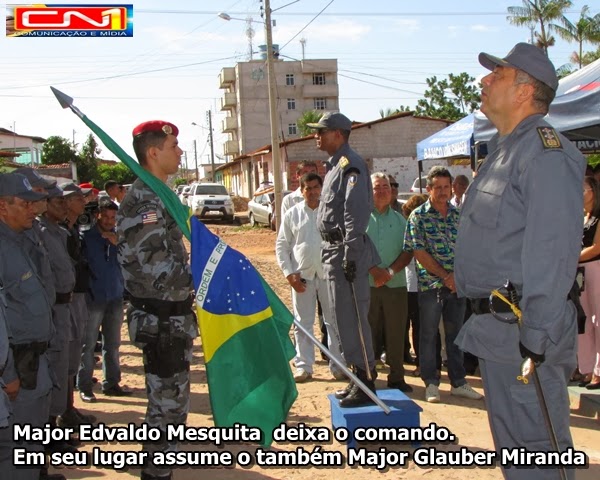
[522, 221]
[54, 237]
[29, 319]
[5, 406]
[348, 253]
[158, 277]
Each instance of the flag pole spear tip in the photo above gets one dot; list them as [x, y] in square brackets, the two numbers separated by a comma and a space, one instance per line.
[64, 100]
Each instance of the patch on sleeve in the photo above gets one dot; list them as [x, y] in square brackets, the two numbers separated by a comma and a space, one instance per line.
[344, 162]
[149, 218]
[549, 137]
[352, 179]
[147, 207]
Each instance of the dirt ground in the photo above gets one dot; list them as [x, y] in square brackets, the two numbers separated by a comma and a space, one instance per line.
[464, 418]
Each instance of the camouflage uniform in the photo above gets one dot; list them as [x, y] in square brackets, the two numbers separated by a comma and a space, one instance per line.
[155, 268]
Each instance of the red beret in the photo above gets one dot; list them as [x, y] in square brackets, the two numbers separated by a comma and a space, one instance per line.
[86, 185]
[156, 126]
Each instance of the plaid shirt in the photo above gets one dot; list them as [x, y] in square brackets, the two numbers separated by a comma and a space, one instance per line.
[428, 230]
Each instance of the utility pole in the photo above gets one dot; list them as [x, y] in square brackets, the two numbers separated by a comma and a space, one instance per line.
[196, 159]
[212, 150]
[275, 156]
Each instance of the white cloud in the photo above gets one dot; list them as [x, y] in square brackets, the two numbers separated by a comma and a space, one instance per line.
[408, 25]
[343, 30]
[483, 28]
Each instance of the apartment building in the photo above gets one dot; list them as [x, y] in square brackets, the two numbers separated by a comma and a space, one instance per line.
[301, 85]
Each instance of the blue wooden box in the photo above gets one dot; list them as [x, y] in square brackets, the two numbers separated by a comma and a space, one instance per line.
[404, 413]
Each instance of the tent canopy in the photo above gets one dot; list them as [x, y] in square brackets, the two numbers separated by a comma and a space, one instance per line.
[453, 141]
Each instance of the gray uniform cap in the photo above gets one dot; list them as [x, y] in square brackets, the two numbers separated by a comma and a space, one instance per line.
[526, 57]
[17, 185]
[71, 188]
[332, 121]
[56, 192]
[35, 179]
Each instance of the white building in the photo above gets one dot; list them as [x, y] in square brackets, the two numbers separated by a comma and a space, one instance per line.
[29, 148]
[301, 86]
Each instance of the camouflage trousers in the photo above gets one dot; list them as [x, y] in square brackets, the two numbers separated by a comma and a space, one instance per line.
[168, 404]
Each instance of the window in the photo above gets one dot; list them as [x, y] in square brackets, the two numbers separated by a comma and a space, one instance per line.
[318, 79]
[320, 104]
[289, 79]
[292, 129]
[291, 104]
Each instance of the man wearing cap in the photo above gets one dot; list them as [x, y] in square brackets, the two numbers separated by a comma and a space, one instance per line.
[75, 205]
[29, 319]
[348, 253]
[508, 232]
[158, 277]
[54, 237]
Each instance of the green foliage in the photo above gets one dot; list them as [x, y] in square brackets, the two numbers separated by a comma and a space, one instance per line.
[540, 13]
[310, 116]
[593, 160]
[586, 29]
[180, 181]
[451, 98]
[58, 150]
[118, 172]
[388, 112]
[87, 160]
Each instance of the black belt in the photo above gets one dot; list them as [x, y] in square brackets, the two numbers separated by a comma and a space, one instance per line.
[161, 307]
[481, 306]
[38, 347]
[62, 298]
[335, 236]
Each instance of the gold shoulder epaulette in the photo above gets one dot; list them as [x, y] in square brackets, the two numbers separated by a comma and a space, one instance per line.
[549, 137]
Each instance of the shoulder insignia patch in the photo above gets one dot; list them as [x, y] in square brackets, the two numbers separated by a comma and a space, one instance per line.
[352, 179]
[26, 276]
[344, 162]
[147, 207]
[549, 137]
[149, 218]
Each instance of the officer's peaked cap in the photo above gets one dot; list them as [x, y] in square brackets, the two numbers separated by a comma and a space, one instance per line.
[17, 185]
[332, 121]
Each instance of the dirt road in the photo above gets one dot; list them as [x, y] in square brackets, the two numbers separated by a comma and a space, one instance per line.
[465, 419]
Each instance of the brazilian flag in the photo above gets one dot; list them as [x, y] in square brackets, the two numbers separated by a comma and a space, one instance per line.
[244, 326]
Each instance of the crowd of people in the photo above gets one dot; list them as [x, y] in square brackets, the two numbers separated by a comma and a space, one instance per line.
[62, 295]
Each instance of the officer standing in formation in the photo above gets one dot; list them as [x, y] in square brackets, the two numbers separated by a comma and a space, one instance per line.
[522, 221]
[157, 274]
[26, 376]
[5, 406]
[348, 253]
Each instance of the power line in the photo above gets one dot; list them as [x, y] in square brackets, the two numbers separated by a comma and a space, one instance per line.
[306, 26]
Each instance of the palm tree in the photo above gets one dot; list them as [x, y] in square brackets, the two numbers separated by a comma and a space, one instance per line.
[539, 12]
[587, 29]
[309, 116]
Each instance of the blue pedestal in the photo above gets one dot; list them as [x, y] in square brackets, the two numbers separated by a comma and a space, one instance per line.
[404, 413]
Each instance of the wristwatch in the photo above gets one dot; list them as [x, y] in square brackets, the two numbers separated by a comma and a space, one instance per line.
[391, 271]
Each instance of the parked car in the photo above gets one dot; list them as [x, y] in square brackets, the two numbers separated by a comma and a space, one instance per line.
[415, 185]
[211, 200]
[183, 196]
[261, 209]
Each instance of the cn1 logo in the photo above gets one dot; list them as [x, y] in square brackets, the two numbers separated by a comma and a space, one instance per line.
[71, 21]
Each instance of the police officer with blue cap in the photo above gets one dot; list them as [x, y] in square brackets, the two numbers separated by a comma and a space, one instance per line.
[522, 221]
[29, 320]
[348, 253]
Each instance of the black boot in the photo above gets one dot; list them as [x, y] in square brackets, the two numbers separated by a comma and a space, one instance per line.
[356, 397]
[344, 392]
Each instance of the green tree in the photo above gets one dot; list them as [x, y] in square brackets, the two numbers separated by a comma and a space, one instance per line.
[309, 116]
[58, 150]
[452, 98]
[589, 57]
[586, 29]
[118, 172]
[180, 181]
[539, 12]
[388, 112]
[87, 160]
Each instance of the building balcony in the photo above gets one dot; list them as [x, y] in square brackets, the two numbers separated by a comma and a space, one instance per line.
[229, 124]
[226, 77]
[228, 101]
[231, 148]
[327, 90]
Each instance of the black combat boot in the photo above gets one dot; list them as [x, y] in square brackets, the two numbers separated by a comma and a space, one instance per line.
[344, 392]
[356, 397]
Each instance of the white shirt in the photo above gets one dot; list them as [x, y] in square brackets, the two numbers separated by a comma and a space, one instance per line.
[298, 246]
[458, 204]
[290, 200]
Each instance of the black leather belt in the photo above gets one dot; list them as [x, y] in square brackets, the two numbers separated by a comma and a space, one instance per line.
[481, 306]
[62, 298]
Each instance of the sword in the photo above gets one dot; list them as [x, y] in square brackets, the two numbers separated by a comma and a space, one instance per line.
[529, 368]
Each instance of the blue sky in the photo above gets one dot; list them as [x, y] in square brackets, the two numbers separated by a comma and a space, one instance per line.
[169, 68]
